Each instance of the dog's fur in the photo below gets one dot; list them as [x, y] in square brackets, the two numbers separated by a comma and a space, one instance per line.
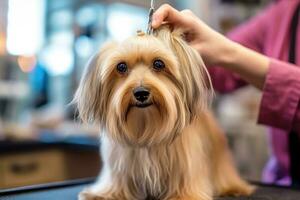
[170, 150]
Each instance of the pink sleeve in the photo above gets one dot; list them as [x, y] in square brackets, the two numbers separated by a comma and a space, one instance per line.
[225, 81]
[251, 35]
[281, 94]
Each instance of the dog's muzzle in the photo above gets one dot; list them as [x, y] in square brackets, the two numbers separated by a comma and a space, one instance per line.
[142, 95]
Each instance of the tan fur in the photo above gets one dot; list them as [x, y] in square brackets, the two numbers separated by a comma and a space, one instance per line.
[170, 150]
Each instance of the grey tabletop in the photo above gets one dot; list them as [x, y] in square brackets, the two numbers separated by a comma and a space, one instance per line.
[70, 192]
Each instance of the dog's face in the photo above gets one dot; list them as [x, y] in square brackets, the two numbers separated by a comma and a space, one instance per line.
[145, 90]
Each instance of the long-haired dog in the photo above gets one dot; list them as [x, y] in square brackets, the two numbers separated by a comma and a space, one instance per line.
[150, 95]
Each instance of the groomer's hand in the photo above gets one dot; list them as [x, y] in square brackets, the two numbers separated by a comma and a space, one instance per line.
[215, 48]
[212, 46]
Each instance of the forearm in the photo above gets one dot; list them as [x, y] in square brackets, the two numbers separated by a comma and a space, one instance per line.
[250, 65]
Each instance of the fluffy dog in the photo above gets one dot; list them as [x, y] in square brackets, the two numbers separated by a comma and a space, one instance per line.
[150, 95]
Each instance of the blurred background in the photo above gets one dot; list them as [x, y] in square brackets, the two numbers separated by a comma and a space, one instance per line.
[44, 45]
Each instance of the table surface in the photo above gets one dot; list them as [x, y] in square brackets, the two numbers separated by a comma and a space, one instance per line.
[70, 190]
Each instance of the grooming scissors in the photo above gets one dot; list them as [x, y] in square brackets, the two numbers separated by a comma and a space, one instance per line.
[151, 11]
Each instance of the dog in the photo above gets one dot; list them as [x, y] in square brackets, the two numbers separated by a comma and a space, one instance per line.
[150, 94]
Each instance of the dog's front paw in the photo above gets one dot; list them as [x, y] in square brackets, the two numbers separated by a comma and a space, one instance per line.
[184, 197]
[86, 194]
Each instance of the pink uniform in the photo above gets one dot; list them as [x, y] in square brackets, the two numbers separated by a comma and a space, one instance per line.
[269, 33]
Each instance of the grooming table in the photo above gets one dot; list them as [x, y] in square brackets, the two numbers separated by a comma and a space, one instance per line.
[69, 191]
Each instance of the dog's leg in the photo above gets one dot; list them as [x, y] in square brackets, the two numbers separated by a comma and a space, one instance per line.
[195, 190]
[109, 185]
[190, 197]
[105, 191]
[195, 185]
[98, 192]
[192, 188]
[190, 178]
[86, 194]
[115, 191]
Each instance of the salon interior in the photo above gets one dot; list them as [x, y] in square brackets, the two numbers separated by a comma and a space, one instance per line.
[44, 47]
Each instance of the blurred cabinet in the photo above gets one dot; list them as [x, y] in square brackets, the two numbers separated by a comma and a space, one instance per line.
[32, 168]
[47, 165]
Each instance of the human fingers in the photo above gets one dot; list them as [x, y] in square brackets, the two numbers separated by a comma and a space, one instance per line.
[165, 13]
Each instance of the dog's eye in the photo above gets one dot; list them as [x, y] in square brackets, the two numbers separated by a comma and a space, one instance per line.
[122, 67]
[158, 65]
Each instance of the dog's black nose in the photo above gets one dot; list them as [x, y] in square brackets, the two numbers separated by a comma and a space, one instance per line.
[141, 94]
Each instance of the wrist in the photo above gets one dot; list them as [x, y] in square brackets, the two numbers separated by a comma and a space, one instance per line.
[229, 54]
[248, 64]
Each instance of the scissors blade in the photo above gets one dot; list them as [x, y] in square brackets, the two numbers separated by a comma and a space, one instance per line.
[151, 11]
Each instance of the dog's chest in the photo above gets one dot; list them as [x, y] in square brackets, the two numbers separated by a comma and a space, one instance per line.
[150, 171]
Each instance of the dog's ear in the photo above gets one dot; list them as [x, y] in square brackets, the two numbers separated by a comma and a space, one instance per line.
[88, 98]
[196, 80]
